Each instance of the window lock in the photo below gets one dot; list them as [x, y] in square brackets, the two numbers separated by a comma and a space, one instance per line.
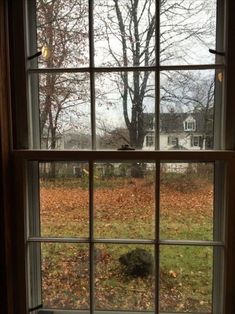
[126, 147]
[215, 52]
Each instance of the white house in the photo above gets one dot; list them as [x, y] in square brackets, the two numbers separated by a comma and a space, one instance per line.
[184, 131]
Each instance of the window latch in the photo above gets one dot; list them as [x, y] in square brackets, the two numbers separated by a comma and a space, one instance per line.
[37, 54]
[126, 147]
[215, 52]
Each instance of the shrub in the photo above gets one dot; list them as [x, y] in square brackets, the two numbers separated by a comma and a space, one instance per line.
[137, 263]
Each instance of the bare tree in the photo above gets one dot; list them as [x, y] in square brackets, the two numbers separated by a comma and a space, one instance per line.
[194, 93]
[62, 29]
[125, 35]
[129, 39]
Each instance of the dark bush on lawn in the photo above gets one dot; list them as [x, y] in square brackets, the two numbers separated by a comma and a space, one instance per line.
[137, 263]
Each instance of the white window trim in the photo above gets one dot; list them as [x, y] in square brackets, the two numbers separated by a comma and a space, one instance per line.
[190, 126]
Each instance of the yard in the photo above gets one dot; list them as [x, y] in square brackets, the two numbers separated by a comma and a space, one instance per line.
[124, 208]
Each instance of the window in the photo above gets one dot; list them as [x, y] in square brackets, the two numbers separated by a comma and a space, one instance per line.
[172, 140]
[149, 140]
[189, 126]
[196, 140]
[74, 241]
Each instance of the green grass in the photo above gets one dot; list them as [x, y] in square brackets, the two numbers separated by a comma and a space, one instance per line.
[182, 227]
[191, 266]
[185, 272]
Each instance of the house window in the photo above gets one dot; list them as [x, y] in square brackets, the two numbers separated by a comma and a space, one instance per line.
[149, 140]
[173, 140]
[195, 141]
[118, 242]
[189, 126]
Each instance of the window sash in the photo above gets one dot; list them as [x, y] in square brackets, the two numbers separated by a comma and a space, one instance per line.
[24, 157]
[107, 155]
[92, 70]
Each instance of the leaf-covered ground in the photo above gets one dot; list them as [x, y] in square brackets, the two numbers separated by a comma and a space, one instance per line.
[126, 209]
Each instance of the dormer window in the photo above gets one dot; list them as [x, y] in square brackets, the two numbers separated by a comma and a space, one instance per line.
[190, 124]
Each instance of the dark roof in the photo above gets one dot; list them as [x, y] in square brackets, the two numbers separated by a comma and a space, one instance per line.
[172, 122]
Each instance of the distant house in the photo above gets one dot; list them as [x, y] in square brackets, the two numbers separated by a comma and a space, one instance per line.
[179, 131]
[185, 131]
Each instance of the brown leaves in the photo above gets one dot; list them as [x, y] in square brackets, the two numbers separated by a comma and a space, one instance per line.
[65, 211]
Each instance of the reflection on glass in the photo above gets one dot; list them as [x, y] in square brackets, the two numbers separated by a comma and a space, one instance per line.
[186, 279]
[64, 199]
[65, 276]
[125, 110]
[186, 201]
[62, 27]
[187, 109]
[124, 200]
[124, 277]
[124, 33]
[64, 110]
[187, 31]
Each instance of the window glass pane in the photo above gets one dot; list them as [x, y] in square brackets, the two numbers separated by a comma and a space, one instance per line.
[64, 110]
[124, 32]
[62, 33]
[124, 200]
[186, 279]
[187, 31]
[124, 277]
[125, 109]
[64, 199]
[65, 276]
[188, 102]
[186, 201]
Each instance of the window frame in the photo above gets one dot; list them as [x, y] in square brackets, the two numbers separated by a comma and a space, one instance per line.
[21, 157]
[190, 126]
[6, 171]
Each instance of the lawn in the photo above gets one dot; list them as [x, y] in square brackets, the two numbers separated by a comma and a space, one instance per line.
[125, 208]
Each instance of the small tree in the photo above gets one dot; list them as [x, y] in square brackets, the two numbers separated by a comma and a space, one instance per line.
[63, 29]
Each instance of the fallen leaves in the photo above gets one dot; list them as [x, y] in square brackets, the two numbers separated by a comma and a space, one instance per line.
[172, 273]
[65, 212]
[65, 208]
